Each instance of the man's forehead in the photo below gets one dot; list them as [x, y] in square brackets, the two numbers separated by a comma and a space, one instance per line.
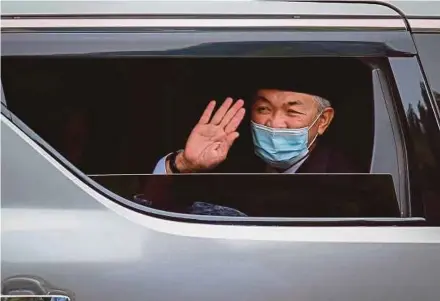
[289, 97]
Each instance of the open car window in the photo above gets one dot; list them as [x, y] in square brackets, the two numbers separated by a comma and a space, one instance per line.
[118, 143]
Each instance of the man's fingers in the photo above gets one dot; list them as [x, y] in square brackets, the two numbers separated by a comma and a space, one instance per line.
[218, 116]
[235, 121]
[207, 113]
[227, 143]
[231, 112]
[231, 138]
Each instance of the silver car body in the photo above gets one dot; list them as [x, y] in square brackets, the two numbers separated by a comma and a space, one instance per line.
[69, 237]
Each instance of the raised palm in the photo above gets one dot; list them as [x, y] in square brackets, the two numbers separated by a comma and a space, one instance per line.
[210, 140]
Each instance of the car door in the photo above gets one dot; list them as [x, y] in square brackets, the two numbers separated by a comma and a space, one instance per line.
[63, 233]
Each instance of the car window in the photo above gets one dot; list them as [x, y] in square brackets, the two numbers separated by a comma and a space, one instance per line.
[422, 123]
[427, 45]
[118, 117]
[422, 143]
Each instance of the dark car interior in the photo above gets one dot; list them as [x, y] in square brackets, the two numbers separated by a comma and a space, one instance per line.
[122, 115]
[119, 116]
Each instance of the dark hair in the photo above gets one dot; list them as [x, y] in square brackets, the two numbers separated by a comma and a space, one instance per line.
[273, 74]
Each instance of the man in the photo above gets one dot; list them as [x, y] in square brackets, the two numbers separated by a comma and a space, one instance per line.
[286, 125]
[285, 128]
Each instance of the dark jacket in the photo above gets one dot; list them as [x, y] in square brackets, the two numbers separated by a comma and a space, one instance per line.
[326, 159]
[322, 159]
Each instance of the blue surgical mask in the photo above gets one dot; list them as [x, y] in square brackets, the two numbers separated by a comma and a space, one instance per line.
[281, 148]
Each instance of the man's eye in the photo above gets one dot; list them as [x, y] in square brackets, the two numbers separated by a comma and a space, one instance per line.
[262, 109]
[292, 112]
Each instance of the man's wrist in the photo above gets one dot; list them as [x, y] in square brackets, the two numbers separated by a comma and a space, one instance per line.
[177, 163]
[182, 164]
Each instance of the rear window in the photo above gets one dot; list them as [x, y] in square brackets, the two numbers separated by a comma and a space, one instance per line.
[117, 119]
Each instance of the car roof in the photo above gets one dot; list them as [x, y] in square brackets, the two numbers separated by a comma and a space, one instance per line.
[411, 8]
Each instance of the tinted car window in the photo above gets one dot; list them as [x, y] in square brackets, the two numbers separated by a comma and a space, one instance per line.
[428, 46]
[423, 144]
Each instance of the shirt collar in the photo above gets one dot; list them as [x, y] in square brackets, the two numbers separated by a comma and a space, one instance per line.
[291, 169]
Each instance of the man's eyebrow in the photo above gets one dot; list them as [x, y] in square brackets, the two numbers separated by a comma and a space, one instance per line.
[295, 102]
[260, 97]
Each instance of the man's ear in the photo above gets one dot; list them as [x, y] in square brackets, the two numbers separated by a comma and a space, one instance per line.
[325, 119]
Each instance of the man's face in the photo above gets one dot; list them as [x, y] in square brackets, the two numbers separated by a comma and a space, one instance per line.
[285, 109]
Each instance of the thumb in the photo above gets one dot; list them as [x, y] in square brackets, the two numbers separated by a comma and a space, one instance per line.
[227, 143]
[230, 138]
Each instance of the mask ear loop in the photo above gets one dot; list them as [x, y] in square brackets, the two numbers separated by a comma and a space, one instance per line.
[313, 141]
[313, 123]
[316, 119]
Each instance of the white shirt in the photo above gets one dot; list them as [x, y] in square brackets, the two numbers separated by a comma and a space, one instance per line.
[160, 168]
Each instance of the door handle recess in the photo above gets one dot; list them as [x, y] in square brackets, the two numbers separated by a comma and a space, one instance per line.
[31, 285]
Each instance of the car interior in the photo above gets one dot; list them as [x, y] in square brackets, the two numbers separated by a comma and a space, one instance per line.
[128, 113]
[119, 116]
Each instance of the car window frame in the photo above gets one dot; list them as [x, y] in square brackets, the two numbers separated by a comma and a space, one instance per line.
[405, 220]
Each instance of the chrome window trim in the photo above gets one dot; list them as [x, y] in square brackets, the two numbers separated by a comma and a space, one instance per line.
[202, 23]
[416, 24]
[425, 24]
